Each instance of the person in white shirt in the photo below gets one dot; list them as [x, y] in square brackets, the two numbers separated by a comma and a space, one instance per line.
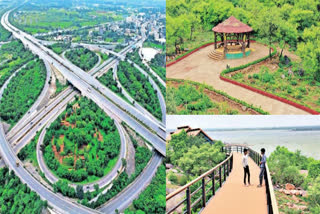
[246, 166]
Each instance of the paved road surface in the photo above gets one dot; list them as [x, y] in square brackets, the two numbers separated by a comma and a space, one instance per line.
[234, 197]
[84, 81]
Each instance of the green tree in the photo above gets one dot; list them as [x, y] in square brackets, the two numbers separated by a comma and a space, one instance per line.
[200, 159]
[267, 24]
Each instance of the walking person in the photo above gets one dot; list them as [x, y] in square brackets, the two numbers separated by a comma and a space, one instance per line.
[262, 166]
[246, 166]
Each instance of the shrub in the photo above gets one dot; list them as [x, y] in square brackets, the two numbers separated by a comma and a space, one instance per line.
[173, 178]
[256, 76]
[314, 195]
[303, 90]
[314, 169]
[183, 180]
[293, 82]
[299, 96]
[292, 175]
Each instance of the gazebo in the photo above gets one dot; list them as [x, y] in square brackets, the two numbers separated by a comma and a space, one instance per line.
[235, 38]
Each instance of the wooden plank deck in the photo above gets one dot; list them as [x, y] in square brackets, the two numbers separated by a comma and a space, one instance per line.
[234, 197]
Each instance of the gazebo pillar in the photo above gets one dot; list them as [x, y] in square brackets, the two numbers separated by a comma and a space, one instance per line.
[215, 40]
[225, 44]
[248, 40]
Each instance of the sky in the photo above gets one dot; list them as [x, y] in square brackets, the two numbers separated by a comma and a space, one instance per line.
[241, 121]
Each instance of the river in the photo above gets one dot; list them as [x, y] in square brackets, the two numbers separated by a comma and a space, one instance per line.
[308, 142]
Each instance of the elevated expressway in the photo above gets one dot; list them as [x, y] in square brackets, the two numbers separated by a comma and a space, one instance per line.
[98, 94]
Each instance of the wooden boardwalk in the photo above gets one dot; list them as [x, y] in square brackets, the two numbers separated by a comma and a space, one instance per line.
[234, 197]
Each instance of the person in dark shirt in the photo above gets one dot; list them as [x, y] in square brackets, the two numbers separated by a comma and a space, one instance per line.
[262, 166]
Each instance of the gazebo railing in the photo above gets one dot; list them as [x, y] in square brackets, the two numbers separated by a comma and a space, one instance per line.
[201, 189]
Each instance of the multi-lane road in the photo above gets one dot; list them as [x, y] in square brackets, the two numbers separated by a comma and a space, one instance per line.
[94, 90]
[154, 132]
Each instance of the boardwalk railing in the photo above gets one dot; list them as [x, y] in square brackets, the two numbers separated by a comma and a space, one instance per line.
[256, 157]
[200, 190]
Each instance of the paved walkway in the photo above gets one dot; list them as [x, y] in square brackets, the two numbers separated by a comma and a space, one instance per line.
[200, 68]
[234, 197]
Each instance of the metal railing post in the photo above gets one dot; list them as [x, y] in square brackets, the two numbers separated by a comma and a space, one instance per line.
[203, 193]
[224, 171]
[220, 176]
[213, 186]
[228, 168]
[188, 200]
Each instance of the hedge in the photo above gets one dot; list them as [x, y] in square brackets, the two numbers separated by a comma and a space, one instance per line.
[249, 64]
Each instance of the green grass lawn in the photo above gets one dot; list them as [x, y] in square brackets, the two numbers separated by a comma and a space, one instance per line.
[42, 21]
[149, 44]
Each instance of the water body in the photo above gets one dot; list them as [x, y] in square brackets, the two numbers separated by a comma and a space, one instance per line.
[149, 53]
[308, 142]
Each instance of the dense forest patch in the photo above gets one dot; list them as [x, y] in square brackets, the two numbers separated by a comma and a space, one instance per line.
[142, 157]
[59, 47]
[108, 80]
[17, 197]
[134, 56]
[152, 199]
[12, 55]
[16, 99]
[82, 144]
[139, 88]
[82, 57]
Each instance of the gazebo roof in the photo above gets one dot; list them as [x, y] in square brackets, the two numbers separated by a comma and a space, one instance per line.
[232, 25]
